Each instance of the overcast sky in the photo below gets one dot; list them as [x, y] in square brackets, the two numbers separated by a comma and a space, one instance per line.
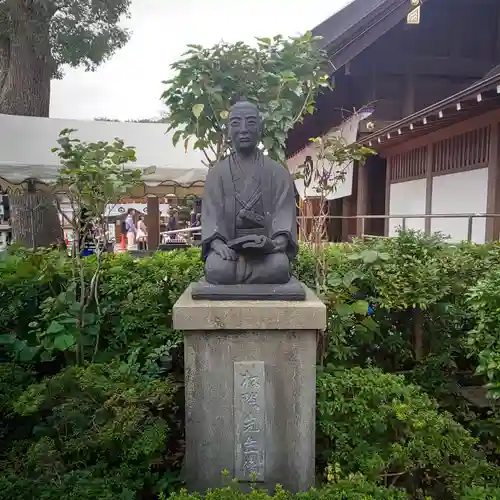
[129, 85]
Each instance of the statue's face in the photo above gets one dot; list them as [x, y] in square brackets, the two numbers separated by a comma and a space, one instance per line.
[244, 127]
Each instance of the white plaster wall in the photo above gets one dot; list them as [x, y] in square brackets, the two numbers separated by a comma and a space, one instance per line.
[407, 198]
[463, 192]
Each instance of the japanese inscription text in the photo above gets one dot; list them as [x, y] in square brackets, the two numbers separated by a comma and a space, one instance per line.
[249, 420]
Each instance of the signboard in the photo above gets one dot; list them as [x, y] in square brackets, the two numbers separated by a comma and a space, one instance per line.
[121, 209]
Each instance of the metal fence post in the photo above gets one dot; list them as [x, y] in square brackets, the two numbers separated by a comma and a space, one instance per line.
[469, 228]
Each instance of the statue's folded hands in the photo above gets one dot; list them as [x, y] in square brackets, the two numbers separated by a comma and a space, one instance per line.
[252, 243]
[280, 243]
[222, 250]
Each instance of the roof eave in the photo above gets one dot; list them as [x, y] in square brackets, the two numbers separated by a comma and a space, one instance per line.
[437, 109]
[342, 29]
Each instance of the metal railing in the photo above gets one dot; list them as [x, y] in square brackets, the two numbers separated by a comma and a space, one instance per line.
[471, 217]
[363, 218]
[187, 233]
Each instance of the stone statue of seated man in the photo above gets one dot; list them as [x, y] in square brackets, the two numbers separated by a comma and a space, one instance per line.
[249, 228]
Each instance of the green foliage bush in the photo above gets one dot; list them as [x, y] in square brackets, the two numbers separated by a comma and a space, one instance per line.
[480, 493]
[394, 275]
[353, 488]
[101, 428]
[389, 430]
[61, 414]
[484, 340]
[98, 431]
[135, 297]
[409, 280]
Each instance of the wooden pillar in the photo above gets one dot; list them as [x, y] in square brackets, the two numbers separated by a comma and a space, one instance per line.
[346, 212]
[493, 192]
[387, 195]
[362, 200]
[153, 222]
[428, 187]
[118, 231]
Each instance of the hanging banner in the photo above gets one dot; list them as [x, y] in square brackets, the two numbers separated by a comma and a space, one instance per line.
[305, 161]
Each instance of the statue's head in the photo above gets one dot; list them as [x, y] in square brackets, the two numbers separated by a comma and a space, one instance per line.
[244, 126]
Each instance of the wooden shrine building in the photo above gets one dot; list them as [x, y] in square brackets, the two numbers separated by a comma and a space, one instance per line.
[399, 57]
[445, 160]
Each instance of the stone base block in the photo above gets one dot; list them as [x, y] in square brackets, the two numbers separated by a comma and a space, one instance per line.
[293, 290]
[250, 390]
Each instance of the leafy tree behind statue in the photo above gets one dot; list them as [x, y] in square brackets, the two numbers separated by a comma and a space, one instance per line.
[38, 37]
[283, 76]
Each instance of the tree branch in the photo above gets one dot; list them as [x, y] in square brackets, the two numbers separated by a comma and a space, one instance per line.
[207, 158]
[306, 100]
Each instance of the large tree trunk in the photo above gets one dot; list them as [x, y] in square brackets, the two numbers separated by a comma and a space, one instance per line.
[26, 68]
[4, 57]
[35, 220]
[26, 64]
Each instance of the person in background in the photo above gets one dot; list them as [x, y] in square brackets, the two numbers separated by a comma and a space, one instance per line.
[123, 231]
[130, 229]
[196, 220]
[142, 234]
[192, 217]
[197, 223]
[173, 224]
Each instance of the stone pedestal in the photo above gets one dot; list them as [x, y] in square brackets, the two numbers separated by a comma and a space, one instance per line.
[250, 390]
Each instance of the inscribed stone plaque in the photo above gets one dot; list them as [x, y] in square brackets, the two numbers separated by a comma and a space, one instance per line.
[249, 420]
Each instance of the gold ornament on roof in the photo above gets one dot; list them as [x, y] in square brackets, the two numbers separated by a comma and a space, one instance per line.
[413, 17]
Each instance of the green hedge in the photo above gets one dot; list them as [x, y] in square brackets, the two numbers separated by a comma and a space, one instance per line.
[136, 299]
[97, 432]
[400, 277]
[111, 425]
[354, 488]
[389, 430]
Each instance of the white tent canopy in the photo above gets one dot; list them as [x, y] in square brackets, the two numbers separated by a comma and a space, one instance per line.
[26, 143]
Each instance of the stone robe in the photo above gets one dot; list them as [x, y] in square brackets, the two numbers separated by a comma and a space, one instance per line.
[259, 201]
